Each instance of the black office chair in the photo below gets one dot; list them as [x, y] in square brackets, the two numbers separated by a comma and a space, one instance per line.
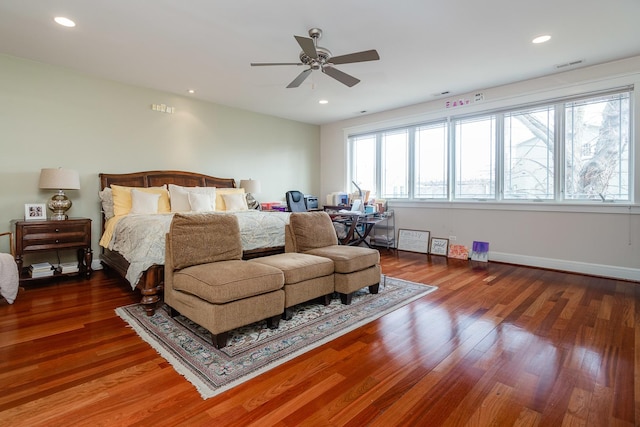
[296, 201]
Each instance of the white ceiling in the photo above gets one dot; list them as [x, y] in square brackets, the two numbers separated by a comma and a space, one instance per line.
[425, 46]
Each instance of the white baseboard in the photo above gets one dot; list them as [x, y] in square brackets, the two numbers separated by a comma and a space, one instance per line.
[553, 264]
[572, 266]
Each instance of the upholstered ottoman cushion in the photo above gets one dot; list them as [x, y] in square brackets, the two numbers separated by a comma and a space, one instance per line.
[350, 282]
[225, 281]
[305, 277]
[347, 259]
[298, 267]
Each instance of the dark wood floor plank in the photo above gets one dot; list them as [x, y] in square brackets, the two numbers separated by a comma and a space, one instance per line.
[496, 344]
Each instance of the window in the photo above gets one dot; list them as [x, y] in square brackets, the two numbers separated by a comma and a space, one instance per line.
[529, 154]
[431, 171]
[363, 153]
[475, 158]
[597, 148]
[562, 151]
[395, 164]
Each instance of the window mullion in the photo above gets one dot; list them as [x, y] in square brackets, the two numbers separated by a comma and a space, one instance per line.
[499, 157]
[451, 153]
[559, 147]
[379, 163]
[411, 163]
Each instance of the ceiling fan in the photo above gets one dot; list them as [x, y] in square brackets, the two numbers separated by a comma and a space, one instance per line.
[319, 58]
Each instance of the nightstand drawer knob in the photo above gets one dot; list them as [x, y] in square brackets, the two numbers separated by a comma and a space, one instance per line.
[57, 230]
[57, 241]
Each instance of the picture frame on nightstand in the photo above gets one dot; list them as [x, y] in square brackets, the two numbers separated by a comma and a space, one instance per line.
[35, 211]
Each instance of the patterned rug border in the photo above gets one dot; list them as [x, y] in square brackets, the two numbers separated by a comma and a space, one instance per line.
[208, 390]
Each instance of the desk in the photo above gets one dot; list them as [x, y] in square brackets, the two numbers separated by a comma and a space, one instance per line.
[358, 226]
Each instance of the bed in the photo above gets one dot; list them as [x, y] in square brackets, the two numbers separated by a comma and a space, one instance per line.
[143, 268]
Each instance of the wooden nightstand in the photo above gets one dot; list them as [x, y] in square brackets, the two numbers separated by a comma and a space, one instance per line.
[53, 235]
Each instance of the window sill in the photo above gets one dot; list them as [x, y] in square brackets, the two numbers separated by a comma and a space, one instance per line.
[547, 206]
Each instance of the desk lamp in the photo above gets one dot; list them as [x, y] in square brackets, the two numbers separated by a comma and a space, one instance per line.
[59, 179]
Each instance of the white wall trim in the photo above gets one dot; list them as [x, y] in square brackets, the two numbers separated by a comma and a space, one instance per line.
[610, 271]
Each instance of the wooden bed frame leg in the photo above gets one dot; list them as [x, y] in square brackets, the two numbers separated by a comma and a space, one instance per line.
[149, 302]
[151, 285]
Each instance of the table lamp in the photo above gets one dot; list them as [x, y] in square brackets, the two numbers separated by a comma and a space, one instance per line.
[59, 179]
[251, 187]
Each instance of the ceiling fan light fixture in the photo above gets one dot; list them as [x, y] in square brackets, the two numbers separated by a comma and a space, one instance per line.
[320, 58]
[323, 102]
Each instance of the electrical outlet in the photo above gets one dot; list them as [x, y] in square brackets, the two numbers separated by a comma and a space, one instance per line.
[452, 238]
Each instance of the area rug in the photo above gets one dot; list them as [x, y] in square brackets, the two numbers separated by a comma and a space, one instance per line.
[255, 349]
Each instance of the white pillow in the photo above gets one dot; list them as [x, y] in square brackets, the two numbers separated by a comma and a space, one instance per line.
[209, 191]
[235, 202]
[180, 196]
[143, 202]
[201, 202]
[179, 199]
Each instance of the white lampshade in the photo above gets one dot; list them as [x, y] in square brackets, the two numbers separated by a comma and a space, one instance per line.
[59, 179]
[250, 186]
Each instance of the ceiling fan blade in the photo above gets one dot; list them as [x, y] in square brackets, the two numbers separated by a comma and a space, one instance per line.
[308, 46]
[263, 64]
[298, 80]
[340, 76]
[365, 55]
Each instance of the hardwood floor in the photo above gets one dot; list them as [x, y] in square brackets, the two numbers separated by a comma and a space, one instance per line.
[495, 345]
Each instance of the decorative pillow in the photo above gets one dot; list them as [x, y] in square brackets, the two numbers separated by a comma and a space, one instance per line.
[143, 202]
[220, 205]
[235, 202]
[122, 198]
[180, 200]
[201, 202]
[106, 197]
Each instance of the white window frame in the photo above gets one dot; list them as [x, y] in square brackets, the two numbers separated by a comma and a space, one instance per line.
[559, 163]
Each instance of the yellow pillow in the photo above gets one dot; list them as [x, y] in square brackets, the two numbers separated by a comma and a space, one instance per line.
[220, 205]
[122, 198]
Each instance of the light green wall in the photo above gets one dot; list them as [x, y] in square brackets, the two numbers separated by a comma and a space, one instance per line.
[54, 117]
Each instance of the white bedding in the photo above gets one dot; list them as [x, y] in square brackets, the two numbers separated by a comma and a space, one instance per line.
[140, 239]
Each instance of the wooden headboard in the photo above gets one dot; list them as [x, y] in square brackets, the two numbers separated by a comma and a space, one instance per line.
[159, 178]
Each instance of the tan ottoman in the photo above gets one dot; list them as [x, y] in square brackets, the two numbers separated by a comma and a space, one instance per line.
[355, 267]
[305, 277]
[312, 233]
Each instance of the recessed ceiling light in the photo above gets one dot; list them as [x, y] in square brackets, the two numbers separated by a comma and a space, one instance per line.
[541, 39]
[65, 22]
[323, 101]
[191, 91]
